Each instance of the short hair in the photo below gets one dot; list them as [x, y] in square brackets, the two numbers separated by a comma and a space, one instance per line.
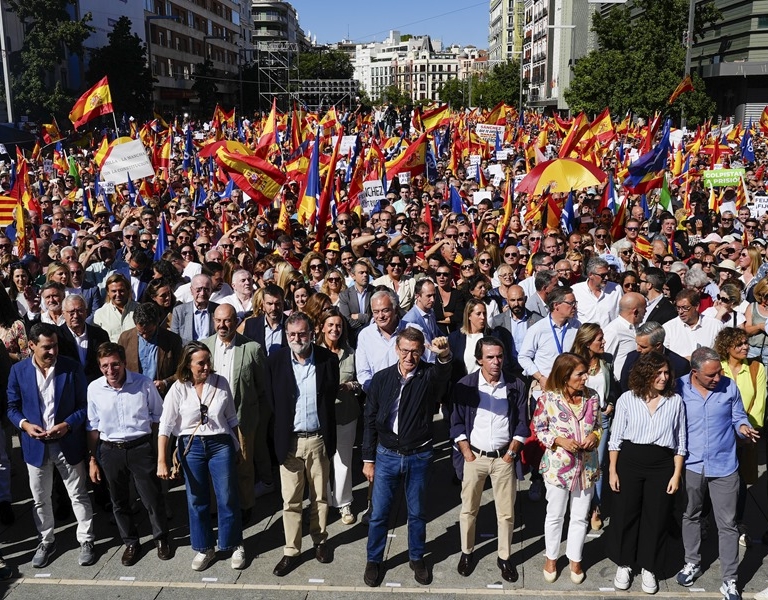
[117, 278]
[73, 298]
[653, 331]
[146, 314]
[595, 263]
[131, 228]
[728, 338]
[387, 292]
[564, 366]
[361, 263]
[702, 355]
[198, 277]
[644, 372]
[695, 278]
[300, 317]
[420, 285]
[557, 296]
[692, 295]
[486, 340]
[42, 330]
[109, 349]
[183, 372]
[538, 258]
[271, 290]
[142, 259]
[410, 334]
[656, 277]
[59, 287]
[543, 279]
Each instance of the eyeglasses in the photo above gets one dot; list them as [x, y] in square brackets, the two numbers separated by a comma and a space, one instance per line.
[316, 266]
[334, 280]
[743, 254]
[631, 286]
[601, 275]
[727, 220]
[77, 273]
[667, 262]
[631, 228]
[396, 265]
[679, 308]
[484, 261]
[601, 236]
[187, 253]
[707, 263]
[534, 239]
[627, 252]
[729, 251]
[724, 299]
[463, 233]
[468, 267]
[511, 255]
[129, 237]
[452, 236]
[571, 303]
[203, 414]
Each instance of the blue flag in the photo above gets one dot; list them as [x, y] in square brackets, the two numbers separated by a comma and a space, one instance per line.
[644, 204]
[568, 216]
[227, 193]
[87, 204]
[497, 145]
[162, 239]
[457, 205]
[189, 150]
[200, 197]
[132, 194]
[747, 147]
[431, 165]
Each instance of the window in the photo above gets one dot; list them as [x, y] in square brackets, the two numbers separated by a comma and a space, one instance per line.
[762, 22]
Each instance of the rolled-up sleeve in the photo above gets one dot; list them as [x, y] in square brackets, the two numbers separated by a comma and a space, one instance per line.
[169, 419]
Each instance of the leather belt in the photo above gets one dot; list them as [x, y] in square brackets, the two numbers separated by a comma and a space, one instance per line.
[128, 445]
[494, 454]
[308, 434]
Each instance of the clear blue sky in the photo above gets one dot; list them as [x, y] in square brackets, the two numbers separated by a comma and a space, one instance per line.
[453, 21]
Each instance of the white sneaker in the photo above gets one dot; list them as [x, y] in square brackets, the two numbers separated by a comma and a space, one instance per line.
[762, 595]
[650, 585]
[347, 516]
[744, 539]
[623, 578]
[238, 558]
[203, 560]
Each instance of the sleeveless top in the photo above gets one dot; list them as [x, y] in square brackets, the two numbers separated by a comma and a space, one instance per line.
[759, 339]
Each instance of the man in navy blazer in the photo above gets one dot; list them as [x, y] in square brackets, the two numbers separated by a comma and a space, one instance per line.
[47, 402]
[421, 313]
[194, 320]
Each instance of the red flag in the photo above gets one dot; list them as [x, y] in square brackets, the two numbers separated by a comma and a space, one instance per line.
[686, 85]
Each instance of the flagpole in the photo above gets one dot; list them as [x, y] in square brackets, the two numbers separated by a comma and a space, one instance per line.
[114, 120]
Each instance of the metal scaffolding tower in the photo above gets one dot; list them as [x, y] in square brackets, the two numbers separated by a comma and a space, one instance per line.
[278, 73]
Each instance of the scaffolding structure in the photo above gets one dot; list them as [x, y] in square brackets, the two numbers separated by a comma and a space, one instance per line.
[278, 63]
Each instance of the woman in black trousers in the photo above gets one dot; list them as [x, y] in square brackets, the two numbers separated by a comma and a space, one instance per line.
[646, 452]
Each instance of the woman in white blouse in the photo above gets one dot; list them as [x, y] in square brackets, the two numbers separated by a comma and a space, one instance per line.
[646, 450]
[200, 410]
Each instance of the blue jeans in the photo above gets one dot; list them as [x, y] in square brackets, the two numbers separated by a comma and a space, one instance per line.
[602, 457]
[391, 467]
[212, 457]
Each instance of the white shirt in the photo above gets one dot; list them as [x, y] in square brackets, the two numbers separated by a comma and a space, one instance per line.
[45, 317]
[490, 430]
[192, 269]
[241, 308]
[125, 414]
[224, 359]
[470, 362]
[651, 305]
[619, 341]
[600, 309]
[46, 393]
[81, 341]
[113, 321]
[683, 339]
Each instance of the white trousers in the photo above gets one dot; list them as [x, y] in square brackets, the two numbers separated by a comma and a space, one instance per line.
[557, 504]
[41, 485]
[340, 488]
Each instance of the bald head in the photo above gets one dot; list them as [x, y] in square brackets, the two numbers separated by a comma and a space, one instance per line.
[632, 307]
[516, 301]
[225, 321]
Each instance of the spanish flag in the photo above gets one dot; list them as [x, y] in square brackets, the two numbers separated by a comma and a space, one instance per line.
[436, 117]
[95, 102]
[686, 85]
[258, 178]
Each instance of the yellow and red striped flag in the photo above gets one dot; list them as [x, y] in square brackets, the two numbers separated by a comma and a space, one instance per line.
[95, 102]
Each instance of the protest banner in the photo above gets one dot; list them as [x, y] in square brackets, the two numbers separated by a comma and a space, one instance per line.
[126, 159]
[374, 192]
[488, 132]
[722, 177]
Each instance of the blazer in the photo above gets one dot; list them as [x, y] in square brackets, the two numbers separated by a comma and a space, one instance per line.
[663, 311]
[250, 381]
[92, 296]
[168, 352]
[458, 344]
[680, 366]
[68, 347]
[414, 316]
[283, 397]
[183, 321]
[349, 305]
[70, 405]
[253, 329]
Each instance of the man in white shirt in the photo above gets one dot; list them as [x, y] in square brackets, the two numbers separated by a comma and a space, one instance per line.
[116, 316]
[619, 334]
[598, 298]
[690, 330]
[242, 298]
[123, 447]
[52, 294]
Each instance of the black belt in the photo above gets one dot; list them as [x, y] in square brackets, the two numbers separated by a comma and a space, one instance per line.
[308, 434]
[127, 445]
[410, 451]
[493, 454]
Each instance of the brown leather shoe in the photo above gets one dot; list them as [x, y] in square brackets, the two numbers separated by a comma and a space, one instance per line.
[285, 566]
[323, 553]
[163, 549]
[131, 555]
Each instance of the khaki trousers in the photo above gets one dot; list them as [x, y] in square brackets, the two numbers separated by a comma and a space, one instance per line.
[504, 485]
[307, 462]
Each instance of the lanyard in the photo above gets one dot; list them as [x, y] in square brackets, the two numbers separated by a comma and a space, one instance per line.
[559, 343]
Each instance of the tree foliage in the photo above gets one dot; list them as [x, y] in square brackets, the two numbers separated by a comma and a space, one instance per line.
[500, 84]
[640, 61]
[124, 61]
[393, 94]
[324, 64]
[49, 33]
[204, 86]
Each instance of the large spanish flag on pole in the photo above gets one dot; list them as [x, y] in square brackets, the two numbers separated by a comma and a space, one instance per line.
[95, 102]
[258, 178]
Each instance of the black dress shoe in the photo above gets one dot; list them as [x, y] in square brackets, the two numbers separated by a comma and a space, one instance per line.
[323, 553]
[131, 555]
[6, 513]
[245, 516]
[285, 566]
[372, 573]
[163, 549]
[508, 570]
[420, 572]
[465, 564]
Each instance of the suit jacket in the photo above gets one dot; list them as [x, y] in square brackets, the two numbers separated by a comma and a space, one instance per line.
[68, 348]
[250, 381]
[168, 352]
[680, 366]
[183, 321]
[349, 305]
[92, 296]
[283, 398]
[253, 329]
[70, 405]
[663, 311]
[414, 316]
[457, 341]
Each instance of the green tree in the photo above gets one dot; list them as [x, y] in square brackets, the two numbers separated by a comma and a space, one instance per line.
[205, 87]
[641, 60]
[393, 94]
[49, 34]
[124, 61]
[324, 64]
[502, 84]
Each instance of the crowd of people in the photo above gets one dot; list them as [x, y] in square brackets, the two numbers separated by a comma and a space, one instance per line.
[246, 354]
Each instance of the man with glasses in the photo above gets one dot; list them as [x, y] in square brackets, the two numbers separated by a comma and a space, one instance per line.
[658, 307]
[465, 247]
[726, 224]
[89, 292]
[690, 330]
[541, 261]
[598, 298]
[131, 244]
[344, 227]
[79, 340]
[193, 320]
[631, 230]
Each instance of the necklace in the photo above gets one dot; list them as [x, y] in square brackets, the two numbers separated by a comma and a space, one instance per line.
[594, 368]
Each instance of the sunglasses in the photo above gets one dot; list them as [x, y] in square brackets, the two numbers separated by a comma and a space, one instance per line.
[315, 267]
[707, 263]
[203, 414]
[667, 262]
[468, 267]
[334, 280]
[484, 261]
[534, 239]
[725, 299]
[442, 274]
[600, 236]
[511, 255]
[631, 228]
[396, 265]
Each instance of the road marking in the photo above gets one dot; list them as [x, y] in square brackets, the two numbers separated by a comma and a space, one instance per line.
[317, 581]
[124, 578]
[42, 575]
[210, 579]
[495, 586]
[392, 584]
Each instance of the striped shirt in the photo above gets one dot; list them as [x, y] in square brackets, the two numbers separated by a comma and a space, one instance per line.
[633, 422]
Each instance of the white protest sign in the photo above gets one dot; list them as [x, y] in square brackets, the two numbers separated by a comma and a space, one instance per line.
[108, 187]
[347, 143]
[502, 155]
[497, 174]
[760, 207]
[474, 165]
[478, 197]
[373, 193]
[488, 132]
[127, 159]
[405, 178]
[47, 166]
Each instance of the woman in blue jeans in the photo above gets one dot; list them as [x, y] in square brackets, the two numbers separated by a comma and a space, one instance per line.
[200, 410]
[590, 345]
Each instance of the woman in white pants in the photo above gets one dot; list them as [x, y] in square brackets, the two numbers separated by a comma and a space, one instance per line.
[333, 335]
[567, 422]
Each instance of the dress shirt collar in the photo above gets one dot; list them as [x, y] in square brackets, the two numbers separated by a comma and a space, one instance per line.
[484, 383]
[310, 360]
[225, 346]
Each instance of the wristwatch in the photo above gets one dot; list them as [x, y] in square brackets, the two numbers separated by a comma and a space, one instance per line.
[512, 454]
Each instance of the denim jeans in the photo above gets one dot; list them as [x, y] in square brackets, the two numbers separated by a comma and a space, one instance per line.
[212, 456]
[602, 458]
[391, 467]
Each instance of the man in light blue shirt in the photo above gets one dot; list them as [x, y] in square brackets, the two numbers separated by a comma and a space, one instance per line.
[714, 412]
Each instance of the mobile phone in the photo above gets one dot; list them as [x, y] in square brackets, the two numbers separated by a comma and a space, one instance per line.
[496, 213]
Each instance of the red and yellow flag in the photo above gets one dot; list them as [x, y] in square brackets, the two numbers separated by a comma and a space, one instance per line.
[258, 178]
[686, 85]
[95, 102]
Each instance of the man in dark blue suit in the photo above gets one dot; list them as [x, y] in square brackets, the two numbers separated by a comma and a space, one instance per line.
[47, 402]
[649, 337]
